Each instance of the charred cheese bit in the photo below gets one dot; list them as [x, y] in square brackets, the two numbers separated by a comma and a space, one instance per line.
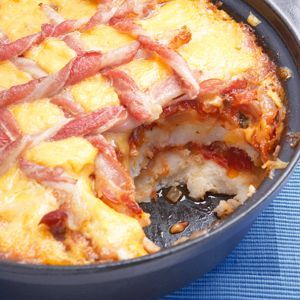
[104, 38]
[75, 9]
[36, 116]
[10, 75]
[73, 154]
[51, 55]
[146, 72]
[114, 235]
[21, 210]
[94, 93]
[217, 47]
[19, 18]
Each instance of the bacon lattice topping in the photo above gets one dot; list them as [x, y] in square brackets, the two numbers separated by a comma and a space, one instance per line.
[107, 10]
[81, 67]
[87, 123]
[116, 8]
[20, 46]
[170, 57]
[181, 91]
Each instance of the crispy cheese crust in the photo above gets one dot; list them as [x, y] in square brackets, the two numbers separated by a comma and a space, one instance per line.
[77, 161]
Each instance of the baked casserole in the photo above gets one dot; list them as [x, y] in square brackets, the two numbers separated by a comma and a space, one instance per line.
[103, 103]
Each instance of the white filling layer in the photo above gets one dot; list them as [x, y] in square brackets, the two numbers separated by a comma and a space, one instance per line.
[174, 167]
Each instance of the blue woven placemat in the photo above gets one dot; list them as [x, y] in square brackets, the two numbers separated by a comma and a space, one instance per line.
[266, 264]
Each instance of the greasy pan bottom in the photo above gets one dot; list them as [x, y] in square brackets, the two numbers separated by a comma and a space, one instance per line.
[155, 275]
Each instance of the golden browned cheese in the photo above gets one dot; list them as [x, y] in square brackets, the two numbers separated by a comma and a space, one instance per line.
[220, 48]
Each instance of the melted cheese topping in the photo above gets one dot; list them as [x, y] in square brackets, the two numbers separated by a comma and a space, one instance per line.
[105, 38]
[36, 116]
[76, 9]
[146, 72]
[94, 93]
[51, 55]
[11, 76]
[73, 154]
[19, 18]
[227, 54]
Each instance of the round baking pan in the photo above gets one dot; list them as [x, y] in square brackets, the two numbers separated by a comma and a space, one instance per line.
[154, 275]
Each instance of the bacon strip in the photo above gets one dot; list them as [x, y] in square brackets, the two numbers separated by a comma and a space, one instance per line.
[167, 90]
[81, 67]
[51, 14]
[18, 47]
[106, 10]
[24, 64]
[97, 121]
[120, 56]
[138, 103]
[29, 66]
[171, 57]
[37, 88]
[4, 139]
[115, 186]
[127, 25]
[84, 66]
[116, 8]
[99, 142]
[47, 134]
[127, 125]
[56, 30]
[10, 153]
[66, 102]
[65, 186]
[73, 41]
[43, 174]
[9, 125]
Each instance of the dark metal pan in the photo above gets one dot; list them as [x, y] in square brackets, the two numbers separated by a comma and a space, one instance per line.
[155, 275]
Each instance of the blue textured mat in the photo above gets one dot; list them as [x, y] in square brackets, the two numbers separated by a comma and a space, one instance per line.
[266, 264]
